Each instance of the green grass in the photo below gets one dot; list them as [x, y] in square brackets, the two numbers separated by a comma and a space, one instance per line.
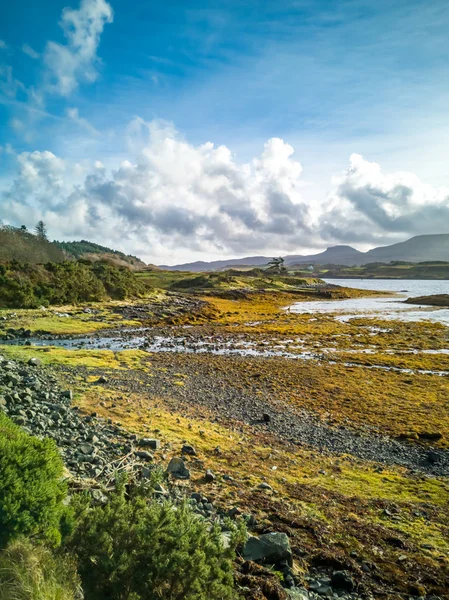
[95, 359]
[254, 279]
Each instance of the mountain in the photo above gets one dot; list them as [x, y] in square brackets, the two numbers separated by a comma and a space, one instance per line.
[337, 255]
[217, 265]
[417, 249]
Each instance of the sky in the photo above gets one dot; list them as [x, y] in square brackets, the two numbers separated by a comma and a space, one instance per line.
[196, 130]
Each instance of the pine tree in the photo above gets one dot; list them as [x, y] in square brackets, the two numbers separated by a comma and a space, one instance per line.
[41, 231]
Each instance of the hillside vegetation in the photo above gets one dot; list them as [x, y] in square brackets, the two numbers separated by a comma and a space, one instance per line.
[253, 280]
[29, 285]
[93, 252]
[21, 245]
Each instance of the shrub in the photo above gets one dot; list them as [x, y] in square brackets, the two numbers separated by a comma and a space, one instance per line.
[71, 282]
[33, 573]
[140, 549]
[31, 486]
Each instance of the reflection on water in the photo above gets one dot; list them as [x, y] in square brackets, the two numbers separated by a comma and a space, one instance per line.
[387, 307]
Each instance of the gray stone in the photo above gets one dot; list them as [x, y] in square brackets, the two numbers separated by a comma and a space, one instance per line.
[34, 362]
[270, 548]
[144, 455]
[342, 580]
[209, 476]
[87, 449]
[150, 443]
[264, 486]
[177, 468]
[187, 449]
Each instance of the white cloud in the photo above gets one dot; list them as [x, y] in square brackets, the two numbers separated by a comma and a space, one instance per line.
[3, 45]
[9, 86]
[76, 60]
[172, 197]
[73, 115]
[174, 201]
[368, 204]
[29, 51]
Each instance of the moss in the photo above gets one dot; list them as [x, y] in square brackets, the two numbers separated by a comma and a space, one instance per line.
[90, 359]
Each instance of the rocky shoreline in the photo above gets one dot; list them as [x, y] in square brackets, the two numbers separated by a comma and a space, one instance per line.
[95, 450]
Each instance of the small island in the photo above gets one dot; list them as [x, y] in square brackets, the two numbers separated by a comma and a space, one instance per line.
[433, 300]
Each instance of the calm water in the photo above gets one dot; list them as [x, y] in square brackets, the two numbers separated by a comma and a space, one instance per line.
[388, 307]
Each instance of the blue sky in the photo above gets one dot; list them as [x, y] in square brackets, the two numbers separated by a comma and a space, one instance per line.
[330, 79]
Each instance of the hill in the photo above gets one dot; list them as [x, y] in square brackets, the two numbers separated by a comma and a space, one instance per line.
[20, 245]
[94, 252]
[420, 248]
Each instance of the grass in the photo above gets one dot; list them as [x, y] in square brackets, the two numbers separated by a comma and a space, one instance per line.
[33, 573]
[107, 360]
[347, 504]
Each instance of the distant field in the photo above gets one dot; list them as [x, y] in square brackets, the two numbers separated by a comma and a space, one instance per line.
[425, 270]
[224, 280]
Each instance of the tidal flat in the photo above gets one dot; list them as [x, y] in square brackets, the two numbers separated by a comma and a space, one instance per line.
[345, 421]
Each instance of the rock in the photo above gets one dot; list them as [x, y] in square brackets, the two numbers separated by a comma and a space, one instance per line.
[187, 449]
[342, 580]
[68, 394]
[209, 476]
[87, 449]
[433, 457]
[34, 362]
[150, 443]
[266, 417]
[102, 379]
[177, 468]
[264, 486]
[431, 436]
[297, 594]
[270, 548]
[144, 455]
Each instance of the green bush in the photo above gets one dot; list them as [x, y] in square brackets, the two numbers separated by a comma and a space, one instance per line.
[33, 573]
[31, 486]
[140, 549]
[70, 282]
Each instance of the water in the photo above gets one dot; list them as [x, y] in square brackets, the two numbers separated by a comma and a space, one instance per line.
[388, 307]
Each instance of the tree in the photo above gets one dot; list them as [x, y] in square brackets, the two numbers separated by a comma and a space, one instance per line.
[276, 265]
[41, 231]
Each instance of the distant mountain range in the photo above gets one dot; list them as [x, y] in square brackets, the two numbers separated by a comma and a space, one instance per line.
[417, 249]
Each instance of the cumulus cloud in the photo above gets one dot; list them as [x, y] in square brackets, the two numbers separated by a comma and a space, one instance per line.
[172, 199]
[170, 195]
[368, 205]
[77, 60]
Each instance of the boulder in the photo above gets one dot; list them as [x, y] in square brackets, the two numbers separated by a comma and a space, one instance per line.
[177, 468]
[342, 580]
[270, 548]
